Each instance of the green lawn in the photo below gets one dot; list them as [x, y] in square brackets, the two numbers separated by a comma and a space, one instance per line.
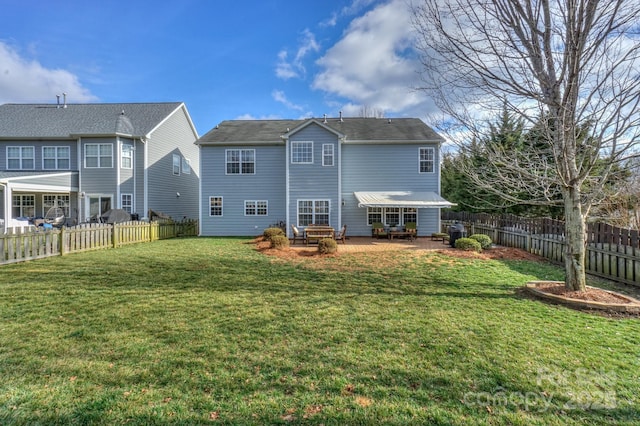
[209, 331]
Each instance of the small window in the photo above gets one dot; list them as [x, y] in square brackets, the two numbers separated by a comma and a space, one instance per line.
[126, 202]
[186, 166]
[56, 157]
[327, 154]
[255, 208]
[302, 152]
[126, 160]
[215, 206]
[241, 161]
[176, 164]
[98, 155]
[427, 160]
[21, 157]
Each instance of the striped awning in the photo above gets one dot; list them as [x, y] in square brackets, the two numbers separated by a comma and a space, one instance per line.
[418, 200]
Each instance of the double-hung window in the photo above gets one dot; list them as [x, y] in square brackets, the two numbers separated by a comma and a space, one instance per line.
[215, 206]
[23, 206]
[176, 164]
[126, 202]
[186, 166]
[52, 200]
[241, 161]
[302, 152]
[390, 216]
[255, 208]
[327, 154]
[21, 157]
[427, 160]
[56, 157]
[126, 156]
[98, 155]
[313, 212]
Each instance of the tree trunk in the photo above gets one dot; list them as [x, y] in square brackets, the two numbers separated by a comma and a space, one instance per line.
[575, 241]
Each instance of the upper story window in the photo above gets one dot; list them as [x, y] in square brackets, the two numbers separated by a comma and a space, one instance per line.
[98, 155]
[21, 157]
[327, 154]
[427, 160]
[126, 156]
[302, 152]
[241, 161]
[186, 166]
[56, 157]
[176, 164]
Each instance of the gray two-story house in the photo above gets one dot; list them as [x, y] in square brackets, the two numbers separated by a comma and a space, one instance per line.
[89, 158]
[353, 171]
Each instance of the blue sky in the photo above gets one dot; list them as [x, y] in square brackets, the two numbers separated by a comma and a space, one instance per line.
[225, 60]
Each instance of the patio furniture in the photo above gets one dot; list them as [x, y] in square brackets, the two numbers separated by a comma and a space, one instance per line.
[342, 235]
[297, 235]
[316, 233]
[378, 231]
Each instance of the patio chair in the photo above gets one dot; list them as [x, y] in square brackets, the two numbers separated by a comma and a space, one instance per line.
[342, 235]
[378, 231]
[297, 235]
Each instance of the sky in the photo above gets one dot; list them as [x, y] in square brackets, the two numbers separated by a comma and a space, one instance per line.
[225, 60]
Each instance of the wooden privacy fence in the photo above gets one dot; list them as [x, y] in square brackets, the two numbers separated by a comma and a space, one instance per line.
[39, 243]
[612, 252]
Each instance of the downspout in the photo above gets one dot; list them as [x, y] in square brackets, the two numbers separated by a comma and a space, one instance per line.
[117, 163]
[145, 179]
[5, 213]
[286, 187]
[82, 214]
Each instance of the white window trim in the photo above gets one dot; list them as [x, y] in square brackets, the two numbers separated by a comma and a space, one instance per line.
[433, 161]
[240, 150]
[129, 149]
[57, 158]
[255, 207]
[313, 211]
[99, 166]
[186, 162]
[324, 156]
[22, 206]
[126, 194]
[383, 215]
[221, 206]
[295, 143]
[173, 164]
[21, 158]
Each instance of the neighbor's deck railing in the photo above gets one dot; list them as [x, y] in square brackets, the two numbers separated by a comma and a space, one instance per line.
[30, 244]
[612, 253]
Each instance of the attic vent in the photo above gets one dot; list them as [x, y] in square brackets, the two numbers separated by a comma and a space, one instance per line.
[325, 118]
[389, 121]
[341, 116]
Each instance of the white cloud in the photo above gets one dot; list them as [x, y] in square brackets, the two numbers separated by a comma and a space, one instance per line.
[374, 63]
[22, 80]
[279, 96]
[296, 69]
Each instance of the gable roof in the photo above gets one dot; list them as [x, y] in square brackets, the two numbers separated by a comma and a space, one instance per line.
[354, 130]
[59, 121]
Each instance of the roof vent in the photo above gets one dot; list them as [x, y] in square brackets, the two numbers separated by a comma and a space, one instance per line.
[64, 95]
[325, 118]
[389, 121]
[58, 97]
[341, 117]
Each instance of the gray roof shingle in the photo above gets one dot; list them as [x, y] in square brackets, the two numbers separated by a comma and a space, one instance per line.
[51, 121]
[355, 129]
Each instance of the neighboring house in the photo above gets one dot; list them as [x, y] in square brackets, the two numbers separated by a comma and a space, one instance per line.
[353, 171]
[89, 158]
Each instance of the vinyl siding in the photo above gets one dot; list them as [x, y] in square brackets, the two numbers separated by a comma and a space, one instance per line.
[315, 181]
[385, 167]
[173, 136]
[268, 183]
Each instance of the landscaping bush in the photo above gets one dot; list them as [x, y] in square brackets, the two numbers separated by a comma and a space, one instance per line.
[484, 240]
[327, 246]
[279, 241]
[269, 233]
[468, 244]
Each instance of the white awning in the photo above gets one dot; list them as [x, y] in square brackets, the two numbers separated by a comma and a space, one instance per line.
[418, 200]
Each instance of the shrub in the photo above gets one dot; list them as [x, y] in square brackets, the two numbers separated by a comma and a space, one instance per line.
[468, 244]
[484, 240]
[327, 246]
[269, 233]
[279, 241]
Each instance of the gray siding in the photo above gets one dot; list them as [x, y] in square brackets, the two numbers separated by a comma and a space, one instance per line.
[173, 136]
[268, 183]
[315, 181]
[385, 167]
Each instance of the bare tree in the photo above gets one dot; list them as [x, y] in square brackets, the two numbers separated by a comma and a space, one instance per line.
[367, 111]
[567, 67]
